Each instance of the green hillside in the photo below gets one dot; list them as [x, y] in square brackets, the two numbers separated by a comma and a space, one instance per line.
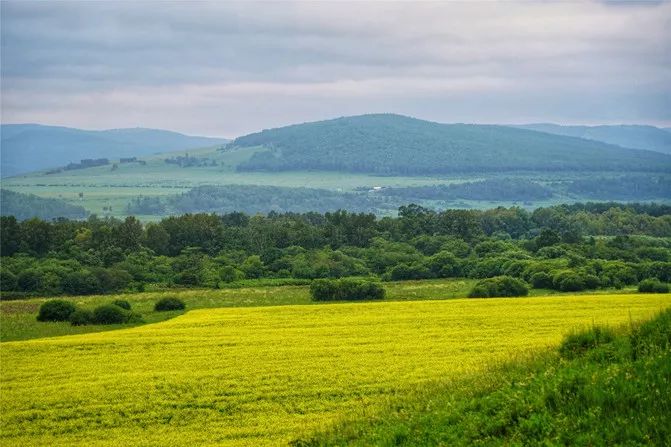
[26, 206]
[32, 147]
[397, 145]
[633, 136]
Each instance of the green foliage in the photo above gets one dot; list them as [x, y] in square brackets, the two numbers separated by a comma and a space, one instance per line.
[493, 190]
[653, 286]
[396, 144]
[110, 314]
[81, 317]
[409, 271]
[634, 187]
[169, 303]
[56, 310]
[26, 206]
[201, 250]
[345, 290]
[254, 199]
[8, 281]
[124, 304]
[578, 343]
[572, 281]
[30, 280]
[82, 282]
[499, 286]
[541, 280]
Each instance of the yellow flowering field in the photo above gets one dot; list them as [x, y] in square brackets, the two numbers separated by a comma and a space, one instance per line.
[266, 375]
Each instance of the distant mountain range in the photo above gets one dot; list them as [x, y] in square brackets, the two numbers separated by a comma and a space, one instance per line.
[389, 144]
[632, 136]
[32, 147]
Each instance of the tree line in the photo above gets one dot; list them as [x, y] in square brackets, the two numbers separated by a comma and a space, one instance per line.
[568, 247]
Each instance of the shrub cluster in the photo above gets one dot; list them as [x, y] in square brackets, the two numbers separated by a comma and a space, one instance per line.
[122, 304]
[652, 285]
[346, 289]
[56, 310]
[499, 286]
[169, 303]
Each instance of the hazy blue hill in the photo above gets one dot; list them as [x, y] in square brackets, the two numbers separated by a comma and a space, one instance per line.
[399, 145]
[32, 147]
[633, 136]
[26, 206]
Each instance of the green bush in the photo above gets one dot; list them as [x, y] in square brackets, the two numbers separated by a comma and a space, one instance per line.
[110, 314]
[652, 285]
[345, 289]
[82, 282]
[541, 280]
[169, 303]
[499, 286]
[122, 304]
[572, 281]
[188, 278]
[413, 271]
[81, 317]
[8, 281]
[29, 280]
[56, 310]
[577, 344]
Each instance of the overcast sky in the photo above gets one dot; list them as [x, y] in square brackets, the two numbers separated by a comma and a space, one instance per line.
[227, 69]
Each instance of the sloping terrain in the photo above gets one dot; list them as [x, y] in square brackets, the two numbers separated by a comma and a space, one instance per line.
[25, 206]
[633, 136]
[398, 145]
[32, 147]
[268, 375]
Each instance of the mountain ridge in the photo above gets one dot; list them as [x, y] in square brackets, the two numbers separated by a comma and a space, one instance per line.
[33, 147]
[390, 144]
[634, 136]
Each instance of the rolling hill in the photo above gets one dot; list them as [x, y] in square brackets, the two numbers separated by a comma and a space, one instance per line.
[387, 144]
[632, 136]
[33, 147]
[26, 206]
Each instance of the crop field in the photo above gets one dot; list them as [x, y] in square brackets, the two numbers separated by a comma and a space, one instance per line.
[17, 318]
[268, 375]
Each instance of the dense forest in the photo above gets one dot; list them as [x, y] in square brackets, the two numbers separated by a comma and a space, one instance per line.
[496, 189]
[397, 145]
[265, 199]
[568, 248]
[259, 199]
[636, 187]
[25, 206]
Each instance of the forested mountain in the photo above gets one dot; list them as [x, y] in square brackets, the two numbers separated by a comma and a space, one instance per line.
[26, 206]
[390, 144]
[32, 147]
[633, 136]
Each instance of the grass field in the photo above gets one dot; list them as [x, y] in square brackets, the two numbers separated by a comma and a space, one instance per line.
[103, 187]
[267, 375]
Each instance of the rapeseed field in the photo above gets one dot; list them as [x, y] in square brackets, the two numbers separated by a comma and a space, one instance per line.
[267, 375]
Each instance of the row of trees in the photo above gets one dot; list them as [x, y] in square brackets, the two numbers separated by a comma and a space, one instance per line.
[549, 248]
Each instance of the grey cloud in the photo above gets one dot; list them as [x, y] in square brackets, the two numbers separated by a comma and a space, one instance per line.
[227, 68]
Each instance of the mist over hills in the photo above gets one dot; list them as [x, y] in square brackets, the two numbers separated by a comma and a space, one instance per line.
[389, 144]
[33, 147]
[625, 135]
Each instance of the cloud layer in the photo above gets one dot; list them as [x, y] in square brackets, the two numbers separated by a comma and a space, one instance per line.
[231, 68]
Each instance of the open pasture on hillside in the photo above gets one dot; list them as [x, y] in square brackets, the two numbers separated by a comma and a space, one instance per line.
[267, 375]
